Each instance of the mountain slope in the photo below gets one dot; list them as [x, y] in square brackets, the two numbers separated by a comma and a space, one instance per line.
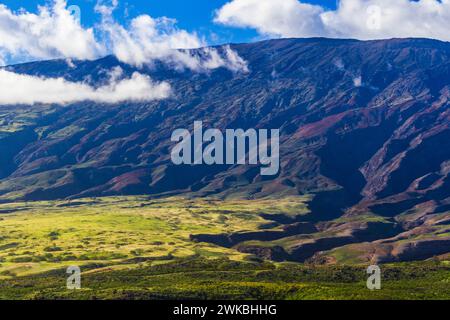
[364, 128]
[368, 122]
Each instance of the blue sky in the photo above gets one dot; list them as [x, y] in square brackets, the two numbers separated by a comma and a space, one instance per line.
[192, 15]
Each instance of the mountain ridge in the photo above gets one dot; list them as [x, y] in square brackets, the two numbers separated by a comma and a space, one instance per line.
[313, 85]
[364, 134]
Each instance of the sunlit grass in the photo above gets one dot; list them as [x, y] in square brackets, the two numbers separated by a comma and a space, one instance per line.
[46, 235]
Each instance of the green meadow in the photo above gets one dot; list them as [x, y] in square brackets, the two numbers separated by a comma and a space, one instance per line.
[140, 248]
[41, 236]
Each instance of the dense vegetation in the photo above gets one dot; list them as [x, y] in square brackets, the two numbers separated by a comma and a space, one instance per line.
[199, 278]
[136, 248]
[36, 237]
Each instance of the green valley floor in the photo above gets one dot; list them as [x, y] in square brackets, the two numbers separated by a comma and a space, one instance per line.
[140, 248]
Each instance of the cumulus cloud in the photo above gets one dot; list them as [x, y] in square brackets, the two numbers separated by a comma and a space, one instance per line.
[26, 89]
[52, 32]
[287, 18]
[148, 39]
[361, 19]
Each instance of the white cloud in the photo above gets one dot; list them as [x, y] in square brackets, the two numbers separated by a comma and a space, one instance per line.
[26, 89]
[51, 33]
[149, 39]
[361, 19]
[357, 81]
[234, 61]
[287, 18]
[54, 32]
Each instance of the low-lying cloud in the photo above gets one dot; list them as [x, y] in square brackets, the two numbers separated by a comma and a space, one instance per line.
[29, 90]
[361, 19]
[149, 39]
[55, 33]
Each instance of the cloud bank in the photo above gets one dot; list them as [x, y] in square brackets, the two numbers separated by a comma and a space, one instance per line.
[55, 33]
[149, 39]
[52, 32]
[361, 19]
[29, 90]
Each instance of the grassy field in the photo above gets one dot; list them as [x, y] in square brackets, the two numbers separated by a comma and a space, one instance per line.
[135, 248]
[41, 236]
